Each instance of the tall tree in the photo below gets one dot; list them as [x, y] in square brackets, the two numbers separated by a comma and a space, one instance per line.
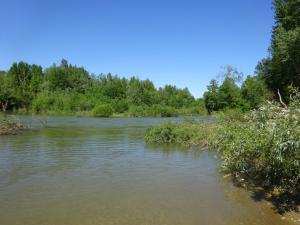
[229, 94]
[25, 80]
[140, 92]
[211, 99]
[6, 91]
[254, 91]
[67, 77]
[172, 96]
[283, 68]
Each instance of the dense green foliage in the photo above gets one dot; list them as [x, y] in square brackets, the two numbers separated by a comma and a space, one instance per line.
[188, 133]
[254, 91]
[104, 110]
[211, 97]
[6, 91]
[69, 89]
[229, 95]
[282, 68]
[265, 148]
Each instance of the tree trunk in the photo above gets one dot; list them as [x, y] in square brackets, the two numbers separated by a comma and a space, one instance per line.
[4, 106]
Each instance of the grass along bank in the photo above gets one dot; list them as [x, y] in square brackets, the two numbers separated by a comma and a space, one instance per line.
[262, 147]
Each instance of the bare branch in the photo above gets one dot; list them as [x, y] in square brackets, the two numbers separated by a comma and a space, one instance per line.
[280, 99]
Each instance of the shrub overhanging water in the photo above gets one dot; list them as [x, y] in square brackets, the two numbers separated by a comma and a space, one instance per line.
[263, 147]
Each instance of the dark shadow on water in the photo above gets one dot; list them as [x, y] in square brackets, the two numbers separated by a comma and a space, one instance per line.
[285, 202]
[173, 149]
[166, 148]
[259, 195]
[281, 202]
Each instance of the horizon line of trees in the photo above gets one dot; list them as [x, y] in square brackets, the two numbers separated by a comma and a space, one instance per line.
[68, 88]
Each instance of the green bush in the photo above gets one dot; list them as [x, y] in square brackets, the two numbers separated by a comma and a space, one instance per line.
[104, 110]
[120, 106]
[152, 111]
[136, 111]
[193, 110]
[265, 148]
[166, 111]
[160, 111]
[42, 102]
[188, 133]
[164, 133]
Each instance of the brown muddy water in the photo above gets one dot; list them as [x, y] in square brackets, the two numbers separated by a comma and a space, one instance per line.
[84, 171]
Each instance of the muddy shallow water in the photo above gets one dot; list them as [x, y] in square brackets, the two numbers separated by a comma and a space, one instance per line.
[84, 171]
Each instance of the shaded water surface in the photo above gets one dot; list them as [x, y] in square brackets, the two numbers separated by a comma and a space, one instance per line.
[83, 171]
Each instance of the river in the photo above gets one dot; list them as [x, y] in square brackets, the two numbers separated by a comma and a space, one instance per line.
[84, 171]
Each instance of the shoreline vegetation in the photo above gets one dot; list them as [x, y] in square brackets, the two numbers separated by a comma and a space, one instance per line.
[260, 148]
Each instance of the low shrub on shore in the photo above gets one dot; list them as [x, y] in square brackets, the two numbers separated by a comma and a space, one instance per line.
[188, 133]
[152, 111]
[265, 148]
[104, 110]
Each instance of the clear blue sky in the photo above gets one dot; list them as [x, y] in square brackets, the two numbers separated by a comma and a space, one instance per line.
[184, 43]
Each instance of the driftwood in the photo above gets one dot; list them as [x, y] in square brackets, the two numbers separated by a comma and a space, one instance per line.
[8, 126]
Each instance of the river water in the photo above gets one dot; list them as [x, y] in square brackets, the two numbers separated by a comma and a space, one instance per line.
[84, 171]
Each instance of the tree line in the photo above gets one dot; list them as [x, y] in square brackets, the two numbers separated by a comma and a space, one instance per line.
[67, 88]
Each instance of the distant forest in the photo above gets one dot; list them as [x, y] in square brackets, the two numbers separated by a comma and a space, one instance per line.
[68, 89]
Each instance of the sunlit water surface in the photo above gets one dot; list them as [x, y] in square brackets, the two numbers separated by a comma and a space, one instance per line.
[83, 171]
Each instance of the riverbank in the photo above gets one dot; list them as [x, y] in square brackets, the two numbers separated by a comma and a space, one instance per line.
[262, 148]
